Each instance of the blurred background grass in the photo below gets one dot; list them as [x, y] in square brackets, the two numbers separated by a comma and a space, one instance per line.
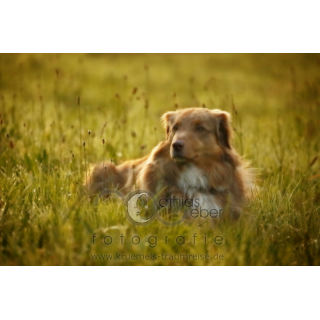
[49, 102]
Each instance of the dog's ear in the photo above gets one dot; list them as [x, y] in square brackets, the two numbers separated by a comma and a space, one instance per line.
[167, 120]
[223, 128]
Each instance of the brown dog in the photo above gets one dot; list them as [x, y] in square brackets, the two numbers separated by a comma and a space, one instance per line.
[196, 161]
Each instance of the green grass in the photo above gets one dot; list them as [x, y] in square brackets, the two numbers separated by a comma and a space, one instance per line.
[46, 217]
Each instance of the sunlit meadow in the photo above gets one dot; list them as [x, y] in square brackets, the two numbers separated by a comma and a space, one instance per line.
[57, 109]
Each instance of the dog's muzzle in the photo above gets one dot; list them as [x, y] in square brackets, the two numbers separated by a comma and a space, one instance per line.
[177, 150]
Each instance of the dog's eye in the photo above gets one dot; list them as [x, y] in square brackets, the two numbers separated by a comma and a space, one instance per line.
[174, 128]
[200, 128]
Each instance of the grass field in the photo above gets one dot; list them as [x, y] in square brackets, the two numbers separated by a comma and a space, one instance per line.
[48, 103]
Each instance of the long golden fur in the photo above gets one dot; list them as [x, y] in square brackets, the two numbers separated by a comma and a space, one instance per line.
[195, 161]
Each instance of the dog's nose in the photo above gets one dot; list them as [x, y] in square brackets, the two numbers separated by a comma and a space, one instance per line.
[178, 145]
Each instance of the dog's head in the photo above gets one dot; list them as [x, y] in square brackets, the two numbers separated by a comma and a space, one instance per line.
[197, 133]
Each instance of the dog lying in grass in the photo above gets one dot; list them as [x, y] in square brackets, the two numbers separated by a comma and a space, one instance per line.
[196, 161]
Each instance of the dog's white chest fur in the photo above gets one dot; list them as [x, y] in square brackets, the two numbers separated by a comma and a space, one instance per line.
[193, 179]
[194, 183]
